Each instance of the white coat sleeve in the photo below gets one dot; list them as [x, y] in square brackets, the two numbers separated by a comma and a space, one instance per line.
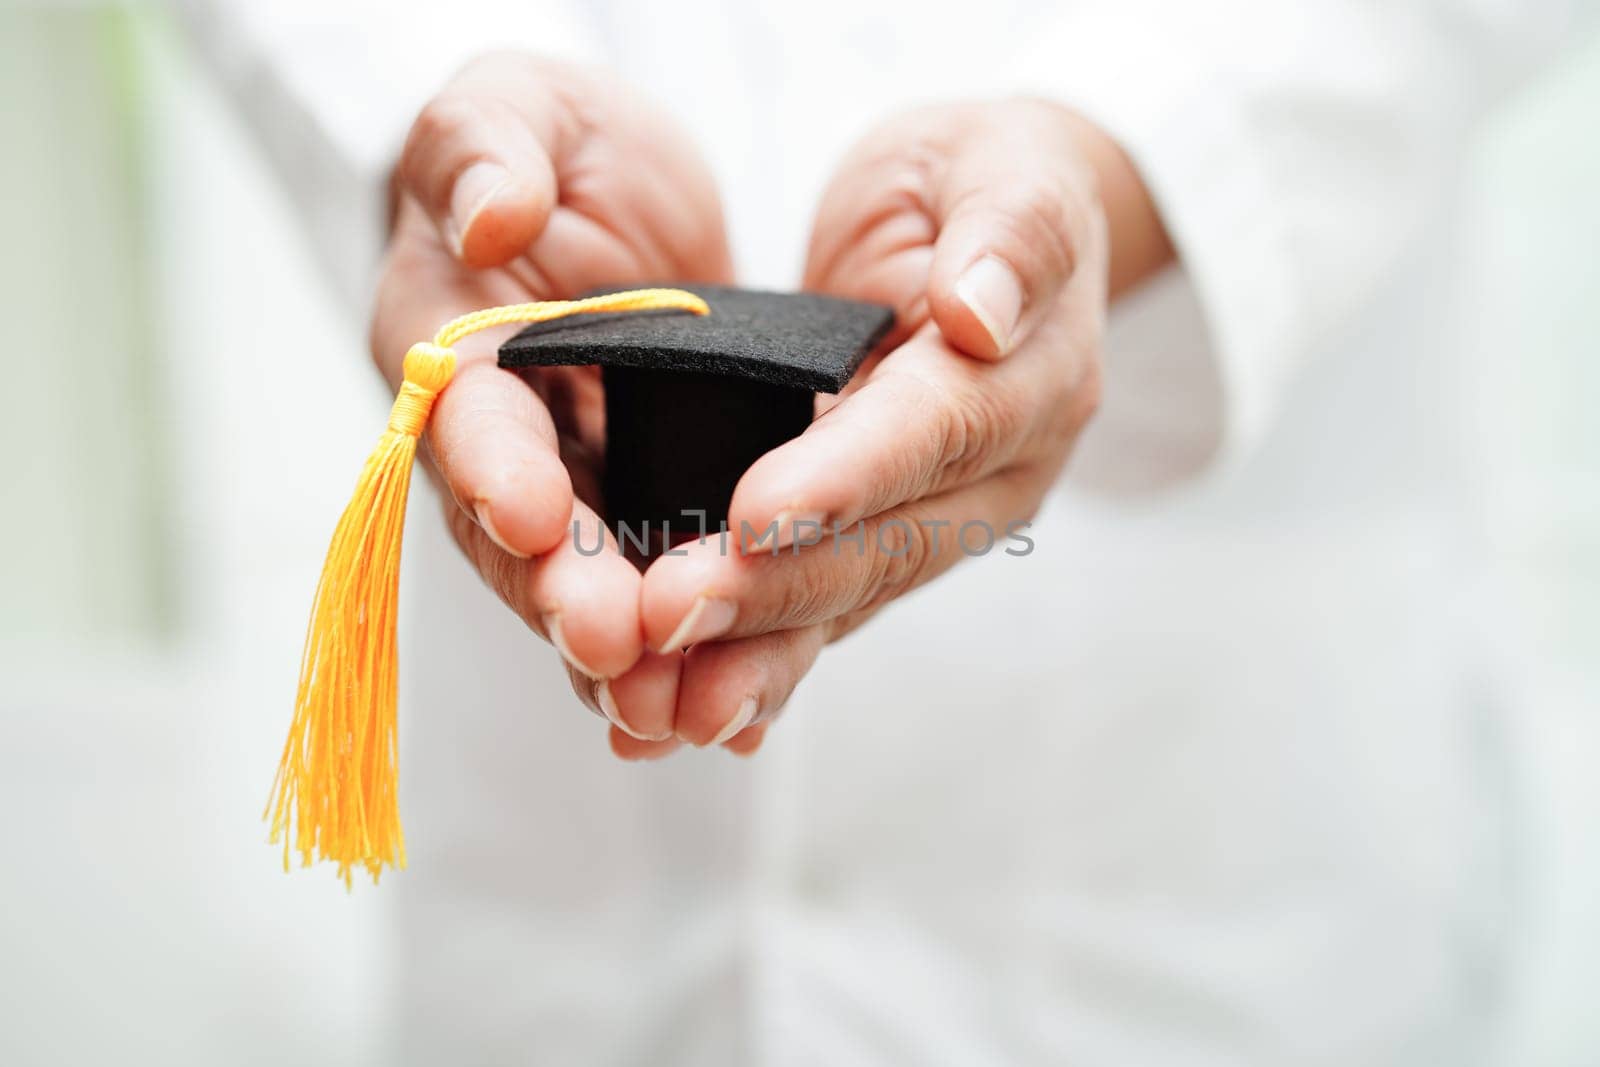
[1292, 149]
[330, 88]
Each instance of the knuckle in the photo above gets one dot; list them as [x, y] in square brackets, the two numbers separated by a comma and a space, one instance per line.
[808, 595]
[449, 133]
[439, 120]
[1040, 218]
[979, 425]
[923, 138]
[911, 463]
[902, 554]
[909, 152]
[422, 168]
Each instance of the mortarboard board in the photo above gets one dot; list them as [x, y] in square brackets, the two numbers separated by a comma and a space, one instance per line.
[691, 400]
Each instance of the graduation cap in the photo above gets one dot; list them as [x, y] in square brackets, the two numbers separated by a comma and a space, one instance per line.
[699, 384]
[693, 400]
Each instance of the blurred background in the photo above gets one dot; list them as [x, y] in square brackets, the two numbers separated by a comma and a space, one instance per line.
[179, 370]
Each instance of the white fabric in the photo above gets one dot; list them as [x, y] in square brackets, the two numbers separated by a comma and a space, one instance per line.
[1215, 776]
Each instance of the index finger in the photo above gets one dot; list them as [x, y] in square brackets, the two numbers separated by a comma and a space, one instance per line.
[926, 420]
[490, 436]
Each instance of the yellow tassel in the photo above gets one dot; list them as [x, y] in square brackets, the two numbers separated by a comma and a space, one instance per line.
[336, 792]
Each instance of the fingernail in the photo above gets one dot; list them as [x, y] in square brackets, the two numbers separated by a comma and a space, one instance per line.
[790, 523]
[993, 294]
[707, 618]
[485, 519]
[552, 626]
[759, 542]
[608, 704]
[476, 186]
[741, 719]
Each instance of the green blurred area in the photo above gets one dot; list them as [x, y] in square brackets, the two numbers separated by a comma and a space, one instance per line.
[88, 550]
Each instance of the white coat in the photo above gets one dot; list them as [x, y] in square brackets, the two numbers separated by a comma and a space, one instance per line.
[1215, 776]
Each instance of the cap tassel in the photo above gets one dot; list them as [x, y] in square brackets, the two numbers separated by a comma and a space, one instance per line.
[335, 796]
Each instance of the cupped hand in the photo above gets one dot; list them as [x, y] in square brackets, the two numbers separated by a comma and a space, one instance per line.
[983, 226]
[527, 180]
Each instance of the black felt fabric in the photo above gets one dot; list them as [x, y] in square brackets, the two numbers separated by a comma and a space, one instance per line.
[693, 400]
[798, 339]
[678, 441]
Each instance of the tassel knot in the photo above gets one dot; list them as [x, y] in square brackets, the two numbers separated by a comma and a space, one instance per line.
[429, 366]
[428, 369]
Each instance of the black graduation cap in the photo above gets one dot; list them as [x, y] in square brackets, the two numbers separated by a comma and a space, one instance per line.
[693, 400]
[698, 386]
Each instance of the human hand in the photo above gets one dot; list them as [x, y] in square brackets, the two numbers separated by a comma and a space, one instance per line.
[527, 180]
[984, 226]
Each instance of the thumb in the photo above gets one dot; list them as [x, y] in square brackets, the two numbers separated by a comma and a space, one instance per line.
[478, 161]
[1011, 223]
